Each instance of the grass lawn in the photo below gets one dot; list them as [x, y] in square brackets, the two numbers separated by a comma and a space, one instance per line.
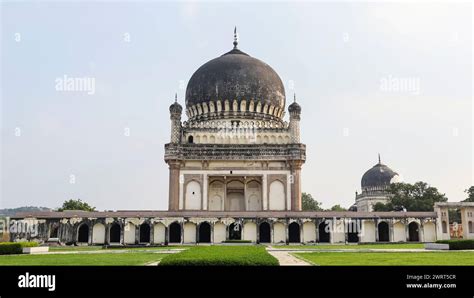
[387, 258]
[102, 259]
[353, 246]
[221, 256]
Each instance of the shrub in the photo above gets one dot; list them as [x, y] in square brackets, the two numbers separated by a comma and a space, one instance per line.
[221, 256]
[8, 248]
[458, 244]
[237, 241]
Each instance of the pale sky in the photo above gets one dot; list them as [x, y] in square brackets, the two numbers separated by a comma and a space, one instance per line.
[343, 60]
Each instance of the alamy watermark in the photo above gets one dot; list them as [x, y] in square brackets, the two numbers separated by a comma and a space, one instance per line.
[75, 84]
[28, 280]
[235, 131]
[353, 226]
[410, 85]
[18, 227]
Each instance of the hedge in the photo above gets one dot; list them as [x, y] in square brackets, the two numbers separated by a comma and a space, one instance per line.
[237, 241]
[458, 244]
[8, 248]
[221, 256]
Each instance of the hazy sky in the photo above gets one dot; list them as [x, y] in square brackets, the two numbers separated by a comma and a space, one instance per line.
[389, 78]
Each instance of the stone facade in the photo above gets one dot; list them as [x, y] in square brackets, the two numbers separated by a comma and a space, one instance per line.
[185, 227]
[235, 174]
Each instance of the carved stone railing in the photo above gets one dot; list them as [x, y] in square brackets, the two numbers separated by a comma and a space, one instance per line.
[235, 151]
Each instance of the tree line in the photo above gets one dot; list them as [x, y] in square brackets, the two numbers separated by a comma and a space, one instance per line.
[402, 196]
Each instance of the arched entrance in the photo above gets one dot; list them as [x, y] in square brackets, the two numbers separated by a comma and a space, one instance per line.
[235, 231]
[264, 233]
[54, 233]
[204, 233]
[145, 233]
[115, 233]
[324, 232]
[83, 234]
[175, 233]
[444, 225]
[413, 232]
[383, 232]
[294, 233]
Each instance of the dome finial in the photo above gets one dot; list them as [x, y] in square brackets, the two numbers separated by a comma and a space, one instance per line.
[294, 97]
[176, 97]
[236, 38]
[379, 159]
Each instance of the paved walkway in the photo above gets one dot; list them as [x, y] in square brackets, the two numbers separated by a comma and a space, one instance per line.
[286, 259]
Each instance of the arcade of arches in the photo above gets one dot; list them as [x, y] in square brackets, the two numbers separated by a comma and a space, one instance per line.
[296, 230]
[162, 227]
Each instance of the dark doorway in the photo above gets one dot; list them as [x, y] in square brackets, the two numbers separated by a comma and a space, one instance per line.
[175, 233]
[324, 232]
[413, 232]
[294, 233]
[235, 231]
[83, 234]
[352, 237]
[190, 139]
[353, 228]
[383, 232]
[144, 233]
[54, 231]
[115, 233]
[204, 233]
[264, 233]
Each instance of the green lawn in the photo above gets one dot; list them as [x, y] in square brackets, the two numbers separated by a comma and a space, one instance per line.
[387, 258]
[354, 246]
[99, 259]
[221, 256]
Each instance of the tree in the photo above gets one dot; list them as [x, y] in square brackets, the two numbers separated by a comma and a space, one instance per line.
[309, 203]
[337, 208]
[414, 197]
[470, 194]
[381, 207]
[76, 205]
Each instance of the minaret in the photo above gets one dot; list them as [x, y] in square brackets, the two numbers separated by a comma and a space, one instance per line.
[175, 116]
[295, 113]
[295, 165]
[174, 165]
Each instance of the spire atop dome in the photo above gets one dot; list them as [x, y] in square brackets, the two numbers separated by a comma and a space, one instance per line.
[236, 38]
[379, 160]
[294, 97]
[176, 97]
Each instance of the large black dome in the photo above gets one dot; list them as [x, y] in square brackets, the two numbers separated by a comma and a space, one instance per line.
[378, 176]
[236, 76]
